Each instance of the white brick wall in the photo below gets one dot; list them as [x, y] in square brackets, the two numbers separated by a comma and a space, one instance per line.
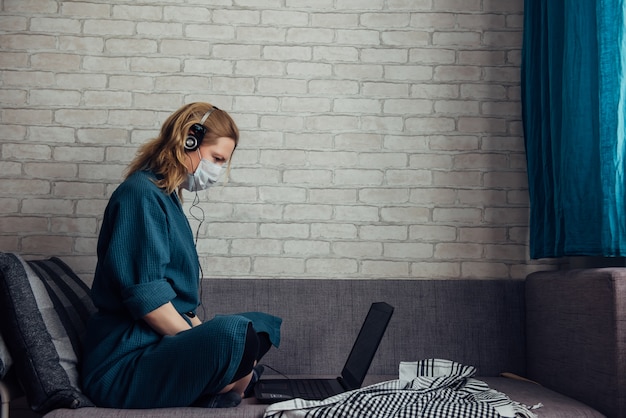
[380, 138]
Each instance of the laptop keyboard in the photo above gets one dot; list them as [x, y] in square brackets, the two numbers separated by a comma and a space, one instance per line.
[313, 389]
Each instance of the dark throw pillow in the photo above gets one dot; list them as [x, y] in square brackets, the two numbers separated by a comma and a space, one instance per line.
[44, 308]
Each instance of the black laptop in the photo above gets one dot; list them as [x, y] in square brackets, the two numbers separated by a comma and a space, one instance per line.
[352, 375]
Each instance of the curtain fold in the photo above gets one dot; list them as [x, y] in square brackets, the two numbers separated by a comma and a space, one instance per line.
[573, 92]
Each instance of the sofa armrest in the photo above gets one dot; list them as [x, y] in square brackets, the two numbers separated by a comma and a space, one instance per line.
[576, 335]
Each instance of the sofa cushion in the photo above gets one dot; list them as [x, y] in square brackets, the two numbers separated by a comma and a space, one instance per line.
[554, 405]
[550, 404]
[44, 308]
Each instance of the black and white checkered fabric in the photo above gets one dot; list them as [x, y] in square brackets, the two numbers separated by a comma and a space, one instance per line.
[432, 388]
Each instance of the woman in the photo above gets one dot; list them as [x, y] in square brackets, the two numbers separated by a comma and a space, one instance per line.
[145, 347]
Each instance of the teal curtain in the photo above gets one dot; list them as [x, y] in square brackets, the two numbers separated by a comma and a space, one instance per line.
[573, 103]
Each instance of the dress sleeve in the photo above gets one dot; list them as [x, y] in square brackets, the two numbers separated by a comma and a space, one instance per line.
[138, 249]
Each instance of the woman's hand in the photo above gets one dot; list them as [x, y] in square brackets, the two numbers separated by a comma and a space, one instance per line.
[167, 321]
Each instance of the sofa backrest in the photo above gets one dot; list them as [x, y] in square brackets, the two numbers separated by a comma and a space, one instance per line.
[473, 322]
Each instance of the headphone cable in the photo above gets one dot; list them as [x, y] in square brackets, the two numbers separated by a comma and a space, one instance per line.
[200, 219]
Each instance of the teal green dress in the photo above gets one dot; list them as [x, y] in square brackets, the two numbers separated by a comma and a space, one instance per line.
[146, 258]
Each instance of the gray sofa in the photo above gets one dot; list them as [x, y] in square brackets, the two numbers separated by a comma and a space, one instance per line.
[559, 336]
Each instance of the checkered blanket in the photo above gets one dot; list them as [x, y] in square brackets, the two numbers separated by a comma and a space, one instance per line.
[432, 388]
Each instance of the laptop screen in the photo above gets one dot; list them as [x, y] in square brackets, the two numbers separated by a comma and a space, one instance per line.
[366, 345]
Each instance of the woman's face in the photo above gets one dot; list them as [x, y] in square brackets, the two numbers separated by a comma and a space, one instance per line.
[218, 153]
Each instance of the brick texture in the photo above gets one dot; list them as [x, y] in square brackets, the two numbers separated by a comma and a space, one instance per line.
[379, 139]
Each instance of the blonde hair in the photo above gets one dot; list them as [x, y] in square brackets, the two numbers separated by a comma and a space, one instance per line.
[165, 155]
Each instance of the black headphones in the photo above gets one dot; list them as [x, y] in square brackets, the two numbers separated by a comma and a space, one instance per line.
[198, 130]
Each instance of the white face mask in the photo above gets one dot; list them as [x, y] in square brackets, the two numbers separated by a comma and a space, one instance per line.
[205, 176]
